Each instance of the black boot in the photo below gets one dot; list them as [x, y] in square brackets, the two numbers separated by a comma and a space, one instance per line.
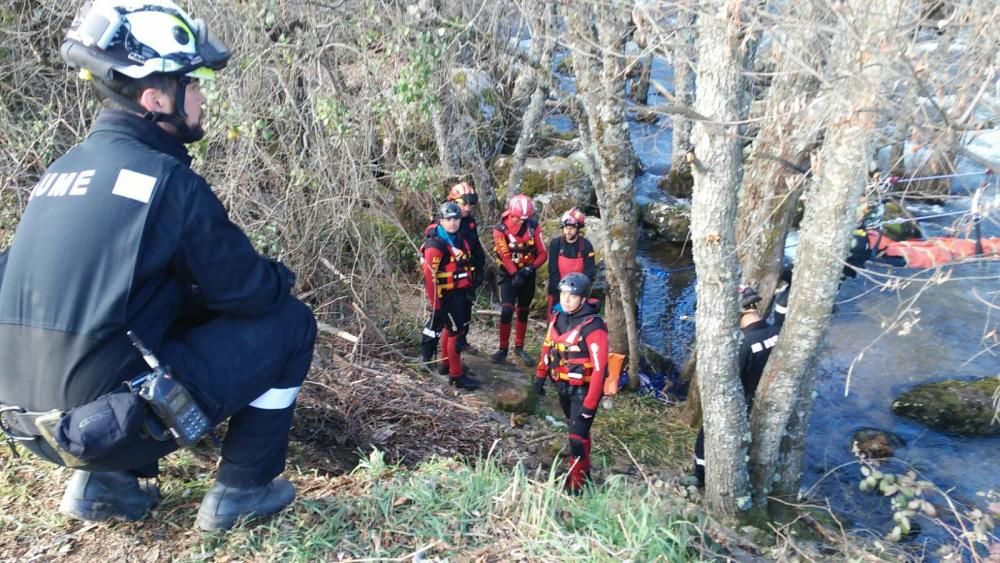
[468, 348]
[499, 356]
[525, 357]
[465, 382]
[100, 496]
[223, 506]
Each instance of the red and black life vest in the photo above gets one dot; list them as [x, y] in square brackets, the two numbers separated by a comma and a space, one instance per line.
[455, 269]
[569, 360]
[521, 246]
[566, 264]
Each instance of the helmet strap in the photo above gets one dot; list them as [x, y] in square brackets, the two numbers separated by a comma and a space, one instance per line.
[177, 118]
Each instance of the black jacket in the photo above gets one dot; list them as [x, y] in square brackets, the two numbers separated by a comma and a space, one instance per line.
[118, 234]
[471, 234]
[759, 339]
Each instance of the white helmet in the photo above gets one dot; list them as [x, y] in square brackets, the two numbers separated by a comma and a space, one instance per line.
[136, 38]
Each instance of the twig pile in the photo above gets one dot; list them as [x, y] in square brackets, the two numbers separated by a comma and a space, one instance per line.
[384, 405]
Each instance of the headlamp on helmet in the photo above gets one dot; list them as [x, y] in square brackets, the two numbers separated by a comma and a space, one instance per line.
[463, 193]
[138, 39]
[450, 210]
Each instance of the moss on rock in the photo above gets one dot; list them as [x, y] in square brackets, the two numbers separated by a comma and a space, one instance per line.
[962, 407]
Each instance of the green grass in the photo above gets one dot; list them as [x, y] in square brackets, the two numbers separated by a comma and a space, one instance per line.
[443, 508]
[446, 509]
[650, 431]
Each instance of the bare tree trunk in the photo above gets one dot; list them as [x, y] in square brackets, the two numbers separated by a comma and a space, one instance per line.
[716, 168]
[789, 132]
[601, 88]
[684, 89]
[784, 395]
[640, 87]
[544, 32]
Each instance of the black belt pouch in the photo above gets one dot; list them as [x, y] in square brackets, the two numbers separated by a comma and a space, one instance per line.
[91, 431]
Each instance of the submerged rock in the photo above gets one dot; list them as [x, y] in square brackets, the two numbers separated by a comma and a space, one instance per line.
[872, 443]
[962, 407]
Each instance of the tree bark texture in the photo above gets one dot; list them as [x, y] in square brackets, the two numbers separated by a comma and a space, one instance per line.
[859, 67]
[640, 86]
[789, 132]
[544, 33]
[601, 89]
[684, 85]
[716, 168]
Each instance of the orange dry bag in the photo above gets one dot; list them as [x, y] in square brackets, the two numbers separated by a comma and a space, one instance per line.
[615, 364]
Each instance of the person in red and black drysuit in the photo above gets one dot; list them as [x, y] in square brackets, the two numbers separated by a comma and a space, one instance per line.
[465, 196]
[517, 241]
[570, 252]
[448, 272]
[575, 356]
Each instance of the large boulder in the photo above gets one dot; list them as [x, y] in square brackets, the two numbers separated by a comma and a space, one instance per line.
[962, 407]
[563, 178]
[669, 220]
[550, 141]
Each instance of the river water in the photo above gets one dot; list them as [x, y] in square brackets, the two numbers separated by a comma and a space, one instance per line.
[942, 337]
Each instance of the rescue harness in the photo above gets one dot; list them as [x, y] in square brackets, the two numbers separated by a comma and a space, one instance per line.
[455, 270]
[567, 360]
[521, 248]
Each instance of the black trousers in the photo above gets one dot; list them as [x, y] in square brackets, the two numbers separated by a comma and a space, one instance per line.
[248, 370]
[470, 301]
[571, 401]
[511, 296]
[450, 315]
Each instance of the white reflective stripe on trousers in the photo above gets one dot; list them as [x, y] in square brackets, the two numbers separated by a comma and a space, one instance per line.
[276, 399]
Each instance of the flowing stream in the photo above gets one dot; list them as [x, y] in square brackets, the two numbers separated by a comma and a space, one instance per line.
[940, 338]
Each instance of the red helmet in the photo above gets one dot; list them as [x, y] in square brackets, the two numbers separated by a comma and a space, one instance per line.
[464, 193]
[573, 218]
[521, 207]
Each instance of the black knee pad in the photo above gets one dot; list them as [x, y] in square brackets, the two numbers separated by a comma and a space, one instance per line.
[506, 313]
[522, 314]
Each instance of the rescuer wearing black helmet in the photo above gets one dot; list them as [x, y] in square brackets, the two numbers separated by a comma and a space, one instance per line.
[446, 260]
[575, 357]
[758, 339]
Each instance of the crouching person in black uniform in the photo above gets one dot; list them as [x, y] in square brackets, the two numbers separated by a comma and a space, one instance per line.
[121, 235]
[575, 356]
[759, 338]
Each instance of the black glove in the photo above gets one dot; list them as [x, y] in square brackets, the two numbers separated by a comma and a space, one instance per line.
[528, 270]
[587, 413]
[539, 386]
[517, 280]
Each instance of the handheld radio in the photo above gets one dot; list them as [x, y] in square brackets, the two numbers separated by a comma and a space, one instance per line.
[168, 398]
